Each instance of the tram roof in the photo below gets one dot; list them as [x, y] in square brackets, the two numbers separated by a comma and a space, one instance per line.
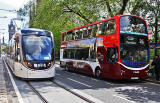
[34, 31]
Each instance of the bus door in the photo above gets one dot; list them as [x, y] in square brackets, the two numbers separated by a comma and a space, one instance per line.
[111, 62]
[101, 56]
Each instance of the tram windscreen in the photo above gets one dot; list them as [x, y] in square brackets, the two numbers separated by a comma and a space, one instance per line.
[134, 49]
[37, 47]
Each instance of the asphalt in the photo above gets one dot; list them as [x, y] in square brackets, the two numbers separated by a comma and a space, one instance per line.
[4, 98]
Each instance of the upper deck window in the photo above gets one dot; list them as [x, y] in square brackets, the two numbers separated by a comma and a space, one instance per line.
[107, 27]
[132, 24]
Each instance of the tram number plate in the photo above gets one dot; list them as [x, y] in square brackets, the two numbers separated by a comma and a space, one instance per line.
[39, 65]
[134, 78]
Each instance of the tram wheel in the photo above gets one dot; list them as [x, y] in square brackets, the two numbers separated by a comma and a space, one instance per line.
[97, 73]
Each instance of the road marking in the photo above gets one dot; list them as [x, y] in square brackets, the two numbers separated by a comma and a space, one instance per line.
[80, 82]
[108, 83]
[95, 79]
[74, 73]
[82, 76]
[57, 74]
[151, 83]
[14, 85]
[95, 100]
[124, 98]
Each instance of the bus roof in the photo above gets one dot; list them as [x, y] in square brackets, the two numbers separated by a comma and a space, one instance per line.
[99, 22]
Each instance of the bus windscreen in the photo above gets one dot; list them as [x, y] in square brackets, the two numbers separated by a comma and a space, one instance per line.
[133, 25]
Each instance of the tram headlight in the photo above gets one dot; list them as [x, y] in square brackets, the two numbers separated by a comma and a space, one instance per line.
[29, 65]
[49, 64]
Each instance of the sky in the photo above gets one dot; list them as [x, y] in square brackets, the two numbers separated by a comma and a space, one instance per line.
[9, 5]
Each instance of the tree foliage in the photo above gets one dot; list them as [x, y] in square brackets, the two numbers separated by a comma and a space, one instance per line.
[61, 15]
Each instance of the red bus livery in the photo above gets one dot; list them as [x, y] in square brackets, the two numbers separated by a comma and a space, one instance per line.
[115, 48]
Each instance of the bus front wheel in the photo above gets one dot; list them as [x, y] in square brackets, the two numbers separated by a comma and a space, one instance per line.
[97, 73]
[66, 68]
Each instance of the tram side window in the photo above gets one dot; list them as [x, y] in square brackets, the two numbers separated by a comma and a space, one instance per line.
[111, 27]
[112, 54]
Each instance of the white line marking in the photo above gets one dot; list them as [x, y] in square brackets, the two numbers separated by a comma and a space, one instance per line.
[57, 74]
[14, 85]
[108, 83]
[124, 98]
[80, 82]
[95, 100]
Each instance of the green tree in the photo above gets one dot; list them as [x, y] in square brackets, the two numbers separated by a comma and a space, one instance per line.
[61, 15]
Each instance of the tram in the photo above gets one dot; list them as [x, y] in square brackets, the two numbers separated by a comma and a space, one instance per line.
[31, 54]
[115, 48]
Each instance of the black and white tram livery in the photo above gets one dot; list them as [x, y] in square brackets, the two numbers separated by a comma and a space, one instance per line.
[31, 54]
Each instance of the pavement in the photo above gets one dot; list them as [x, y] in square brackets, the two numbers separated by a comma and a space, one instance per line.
[3, 89]
[4, 98]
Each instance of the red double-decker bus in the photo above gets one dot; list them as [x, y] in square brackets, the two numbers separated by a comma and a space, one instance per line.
[115, 48]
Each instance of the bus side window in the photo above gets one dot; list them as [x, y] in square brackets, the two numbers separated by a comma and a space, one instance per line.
[65, 36]
[93, 54]
[104, 27]
[89, 31]
[112, 54]
[82, 54]
[111, 27]
[77, 35]
[100, 29]
[73, 36]
[85, 33]
[80, 34]
[65, 54]
[94, 30]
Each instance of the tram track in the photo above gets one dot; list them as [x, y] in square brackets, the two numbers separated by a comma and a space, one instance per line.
[72, 92]
[43, 99]
[29, 84]
[66, 89]
[35, 91]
